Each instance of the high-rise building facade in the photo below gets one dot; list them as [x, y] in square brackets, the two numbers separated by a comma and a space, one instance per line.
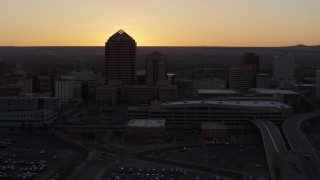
[2, 67]
[64, 88]
[120, 58]
[156, 68]
[241, 77]
[283, 67]
[251, 59]
[262, 80]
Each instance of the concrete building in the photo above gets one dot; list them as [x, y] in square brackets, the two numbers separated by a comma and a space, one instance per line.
[250, 59]
[171, 78]
[29, 103]
[262, 80]
[12, 85]
[209, 83]
[139, 94]
[111, 95]
[45, 84]
[283, 67]
[308, 90]
[18, 103]
[10, 90]
[241, 77]
[156, 68]
[214, 131]
[120, 58]
[28, 84]
[318, 84]
[190, 114]
[108, 95]
[64, 88]
[283, 71]
[145, 131]
[167, 93]
[35, 118]
[85, 83]
[141, 77]
[217, 93]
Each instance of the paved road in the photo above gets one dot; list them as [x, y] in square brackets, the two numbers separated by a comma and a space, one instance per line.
[281, 165]
[92, 168]
[300, 145]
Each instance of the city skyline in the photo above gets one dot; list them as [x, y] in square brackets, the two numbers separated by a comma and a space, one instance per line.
[166, 23]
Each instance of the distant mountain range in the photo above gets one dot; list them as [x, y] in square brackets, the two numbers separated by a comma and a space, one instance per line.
[167, 50]
[304, 47]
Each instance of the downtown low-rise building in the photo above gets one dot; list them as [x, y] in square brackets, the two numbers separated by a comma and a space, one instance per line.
[139, 94]
[145, 131]
[214, 131]
[35, 118]
[29, 103]
[64, 88]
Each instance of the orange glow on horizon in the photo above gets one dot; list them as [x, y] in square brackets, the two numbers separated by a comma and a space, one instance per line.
[166, 23]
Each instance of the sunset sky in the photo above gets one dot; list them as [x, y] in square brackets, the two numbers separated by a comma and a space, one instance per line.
[160, 22]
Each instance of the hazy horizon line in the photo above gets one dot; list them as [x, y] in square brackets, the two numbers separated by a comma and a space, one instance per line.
[204, 46]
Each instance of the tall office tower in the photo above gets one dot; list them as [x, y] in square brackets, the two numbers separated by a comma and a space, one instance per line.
[156, 68]
[318, 84]
[120, 58]
[2, 67]
[251, 59]
[241, 77]
[283, 66]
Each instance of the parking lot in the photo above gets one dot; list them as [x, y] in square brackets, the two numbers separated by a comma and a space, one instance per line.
[36, 156]
[248, 159]
[137, 169]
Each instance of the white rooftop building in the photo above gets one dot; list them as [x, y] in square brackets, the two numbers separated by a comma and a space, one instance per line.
[235, 114]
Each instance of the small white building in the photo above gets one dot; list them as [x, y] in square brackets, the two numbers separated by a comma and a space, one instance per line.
[142, 131]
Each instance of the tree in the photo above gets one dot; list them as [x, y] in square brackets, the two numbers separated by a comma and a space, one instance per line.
[45, 126]
[30, 128]
[22, 127]
[12, 129]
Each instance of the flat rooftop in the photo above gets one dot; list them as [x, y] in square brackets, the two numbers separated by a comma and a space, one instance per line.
[259, 104]
[213, 125]
[217, 91]
[253, 91]
[308, 85]
[273, 91]
[146, 123]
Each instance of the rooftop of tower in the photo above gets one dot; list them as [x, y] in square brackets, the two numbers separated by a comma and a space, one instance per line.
[156, 53]
[121, 36]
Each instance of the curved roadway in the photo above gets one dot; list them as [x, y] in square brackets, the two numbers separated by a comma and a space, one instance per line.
[300, 145]
[281, 165]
